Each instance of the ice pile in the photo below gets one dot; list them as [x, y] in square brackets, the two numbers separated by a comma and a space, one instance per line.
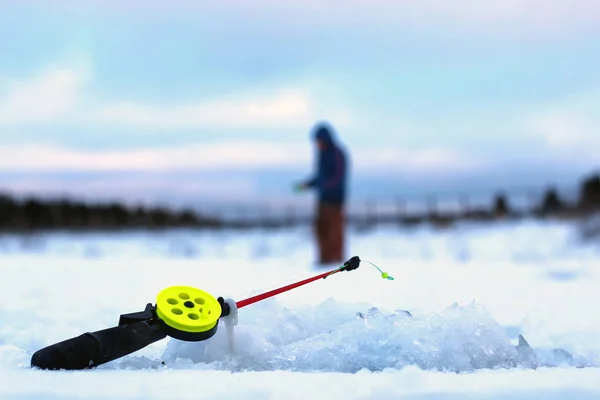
[334, 337]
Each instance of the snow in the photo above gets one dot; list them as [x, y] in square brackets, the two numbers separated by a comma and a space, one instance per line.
[470, 292]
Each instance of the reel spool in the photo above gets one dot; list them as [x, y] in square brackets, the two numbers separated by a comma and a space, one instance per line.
[189, 314]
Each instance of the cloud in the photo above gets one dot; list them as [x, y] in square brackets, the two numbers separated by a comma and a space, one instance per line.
[569, 127]
[439, 161]
[56, 96]
[210, 156]
[229, 156]
[564, 129]
[47, 97]
[287, 107]
[135, 189]
[538, 18]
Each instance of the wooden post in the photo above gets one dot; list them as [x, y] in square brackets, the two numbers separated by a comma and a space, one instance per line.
[400, 209]
[290, 216]
[369, 208]
[265, 216]
[464, 205]
[432, 206]
[533, 203]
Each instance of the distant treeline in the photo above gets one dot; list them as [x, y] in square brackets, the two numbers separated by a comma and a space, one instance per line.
[33, 213]
[36, 214]
[550, 205]
[588, 200]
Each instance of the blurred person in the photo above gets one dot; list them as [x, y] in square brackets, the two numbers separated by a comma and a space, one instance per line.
[329, 181]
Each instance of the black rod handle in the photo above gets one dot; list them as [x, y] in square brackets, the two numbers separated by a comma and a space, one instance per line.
[92, 349]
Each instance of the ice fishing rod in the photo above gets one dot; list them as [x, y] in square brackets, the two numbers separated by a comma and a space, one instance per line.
[180, 312]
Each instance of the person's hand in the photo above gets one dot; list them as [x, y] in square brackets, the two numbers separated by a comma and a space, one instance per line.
[300, 187]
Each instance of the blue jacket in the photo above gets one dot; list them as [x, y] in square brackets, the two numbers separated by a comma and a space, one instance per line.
[332, 169]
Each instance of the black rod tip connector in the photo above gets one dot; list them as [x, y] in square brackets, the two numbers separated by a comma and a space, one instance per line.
[351, 264]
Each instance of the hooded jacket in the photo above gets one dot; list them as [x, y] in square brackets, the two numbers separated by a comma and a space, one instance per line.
[330, 178]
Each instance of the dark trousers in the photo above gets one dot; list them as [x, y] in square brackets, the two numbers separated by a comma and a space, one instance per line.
[329, 231]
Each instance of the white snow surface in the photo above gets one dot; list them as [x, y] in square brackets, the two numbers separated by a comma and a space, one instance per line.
[470, 291]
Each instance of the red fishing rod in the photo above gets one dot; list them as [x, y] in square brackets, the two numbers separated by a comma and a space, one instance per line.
[349, 265]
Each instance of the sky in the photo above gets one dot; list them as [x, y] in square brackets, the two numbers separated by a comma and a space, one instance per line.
[203, 101]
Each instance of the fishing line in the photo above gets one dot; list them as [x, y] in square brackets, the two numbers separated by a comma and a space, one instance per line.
[384, 275]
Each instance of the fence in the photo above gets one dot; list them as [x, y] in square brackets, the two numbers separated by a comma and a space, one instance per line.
[439, 209]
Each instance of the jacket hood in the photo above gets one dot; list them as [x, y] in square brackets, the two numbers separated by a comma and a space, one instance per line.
[324, 133]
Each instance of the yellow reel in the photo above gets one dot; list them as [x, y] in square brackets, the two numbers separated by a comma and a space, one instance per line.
[190, 314]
